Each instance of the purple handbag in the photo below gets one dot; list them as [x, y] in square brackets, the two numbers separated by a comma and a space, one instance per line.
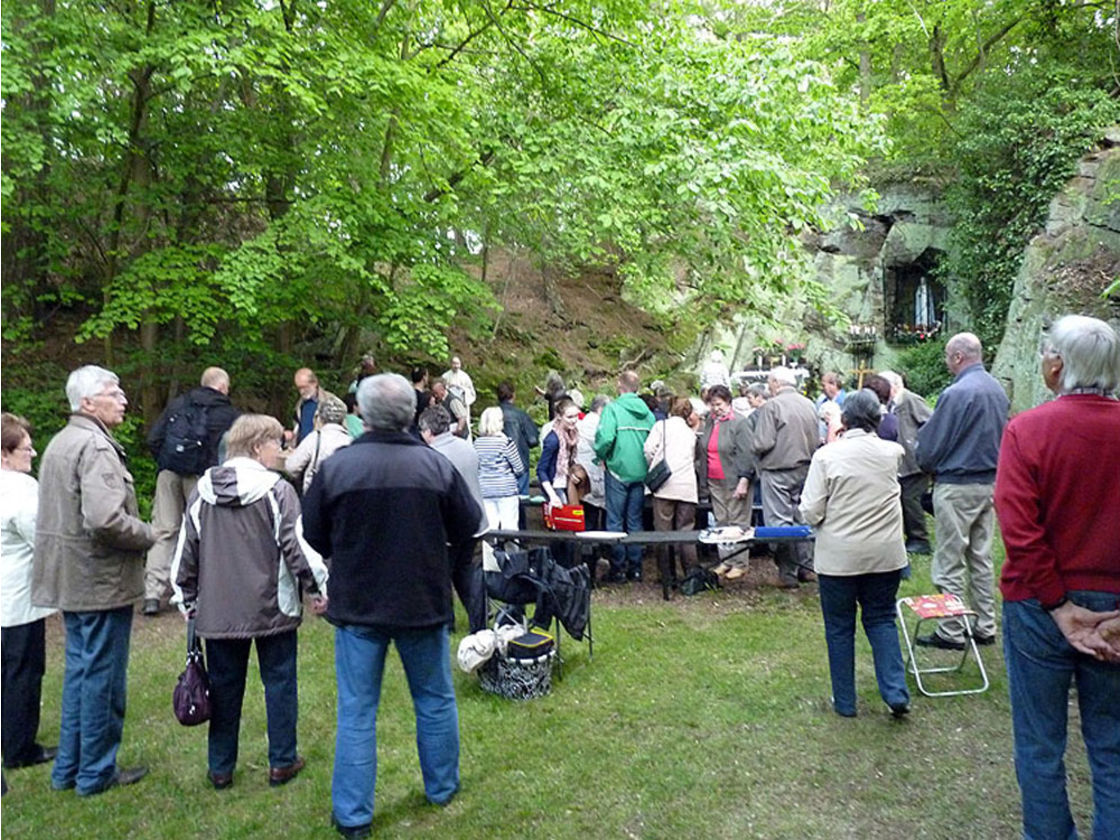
[191, 698]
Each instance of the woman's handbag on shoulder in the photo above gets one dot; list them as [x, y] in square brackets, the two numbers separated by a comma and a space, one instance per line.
[659, 473]
[191, 698]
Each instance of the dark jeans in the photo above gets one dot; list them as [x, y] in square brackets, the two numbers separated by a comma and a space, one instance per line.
[913, 517]
[1041, 666]
[624, 513]
[24, 662]
[227, 661]
[94, 690]
[875, 595]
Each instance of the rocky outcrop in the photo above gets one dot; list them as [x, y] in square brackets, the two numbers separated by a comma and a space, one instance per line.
[862, 268]
[1065, 270]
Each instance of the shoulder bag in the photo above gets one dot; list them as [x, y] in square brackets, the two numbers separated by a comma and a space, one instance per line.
[659, 473]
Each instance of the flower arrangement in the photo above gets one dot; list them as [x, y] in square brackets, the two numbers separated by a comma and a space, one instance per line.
[915, 333]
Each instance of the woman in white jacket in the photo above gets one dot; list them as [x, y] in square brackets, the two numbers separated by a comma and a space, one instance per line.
[674, 502]
[329, 436]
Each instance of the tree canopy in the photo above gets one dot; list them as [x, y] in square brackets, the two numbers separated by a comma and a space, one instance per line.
[282, 174]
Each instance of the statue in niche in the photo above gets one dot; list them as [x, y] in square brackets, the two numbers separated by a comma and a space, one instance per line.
[925, 312]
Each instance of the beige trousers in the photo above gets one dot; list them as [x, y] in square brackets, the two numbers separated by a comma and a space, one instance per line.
[964, 521]
[172, 492]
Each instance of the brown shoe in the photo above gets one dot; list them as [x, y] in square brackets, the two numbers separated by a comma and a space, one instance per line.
[282, 775]
[220, 781]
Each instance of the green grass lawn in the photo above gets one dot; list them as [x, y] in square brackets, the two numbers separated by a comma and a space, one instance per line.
[702, 717]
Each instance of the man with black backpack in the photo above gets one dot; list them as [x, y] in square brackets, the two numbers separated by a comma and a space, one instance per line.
[184, 442]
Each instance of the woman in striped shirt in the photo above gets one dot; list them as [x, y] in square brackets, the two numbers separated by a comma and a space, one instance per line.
[499, 465]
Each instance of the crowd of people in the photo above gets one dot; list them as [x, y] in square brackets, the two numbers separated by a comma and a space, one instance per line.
[384, 524]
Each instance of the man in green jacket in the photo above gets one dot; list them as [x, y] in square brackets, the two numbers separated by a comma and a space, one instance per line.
[619, 440]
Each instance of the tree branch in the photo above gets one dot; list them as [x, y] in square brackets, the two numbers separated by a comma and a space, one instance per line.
[549, 10]
[981, 53]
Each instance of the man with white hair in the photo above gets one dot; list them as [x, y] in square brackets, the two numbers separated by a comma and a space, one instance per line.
[1057, 494]
[960, 445]
[785, 437]
[393, 515]
[184, 442]
[912, 413]
[89, 563]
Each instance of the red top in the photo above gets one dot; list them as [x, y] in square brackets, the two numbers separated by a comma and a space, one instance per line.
[1058, 499]
[715, 468]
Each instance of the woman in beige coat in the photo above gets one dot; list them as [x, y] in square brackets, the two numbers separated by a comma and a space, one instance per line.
[851, 498]
[674, 502]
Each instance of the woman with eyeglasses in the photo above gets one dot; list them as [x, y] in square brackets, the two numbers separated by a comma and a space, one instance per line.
[22, 626]
[240, 570]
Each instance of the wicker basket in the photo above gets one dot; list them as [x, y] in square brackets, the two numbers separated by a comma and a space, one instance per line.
[517, 679]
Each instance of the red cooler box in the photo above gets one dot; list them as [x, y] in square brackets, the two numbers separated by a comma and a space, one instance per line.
[563, 517]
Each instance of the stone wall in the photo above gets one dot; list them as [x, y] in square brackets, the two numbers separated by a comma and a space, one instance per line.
[1065, 270]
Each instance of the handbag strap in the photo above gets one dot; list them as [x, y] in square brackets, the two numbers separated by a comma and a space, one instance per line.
[193, 645]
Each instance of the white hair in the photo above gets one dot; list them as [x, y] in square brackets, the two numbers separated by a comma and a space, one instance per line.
[88, 381]
[893, 378]
[784, 375]
[492, 422]
[1090, 351]
[387, 402]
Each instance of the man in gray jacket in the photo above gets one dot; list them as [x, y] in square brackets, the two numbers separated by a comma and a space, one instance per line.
[912, 413]
[960, 445]
[89, 563]
[785, 438]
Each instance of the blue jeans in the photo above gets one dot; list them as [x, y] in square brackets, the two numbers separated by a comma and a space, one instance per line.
[875, 595]
[1040, 666]
[94, 689]
[227, 661]
[359, 654]
[624, 513]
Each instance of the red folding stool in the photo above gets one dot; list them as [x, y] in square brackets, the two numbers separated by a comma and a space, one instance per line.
[938, 608]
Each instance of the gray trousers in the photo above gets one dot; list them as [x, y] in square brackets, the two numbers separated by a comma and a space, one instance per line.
[172, 492]
[913, 517]
[730, 511]
[781, 494]
[964, 520]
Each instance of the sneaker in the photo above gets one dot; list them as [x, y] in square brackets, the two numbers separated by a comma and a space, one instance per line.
[736, 573]
[151, 606]
[935, 641]
[613, 577]
[634, 575]
[900, 710]
[981, 639]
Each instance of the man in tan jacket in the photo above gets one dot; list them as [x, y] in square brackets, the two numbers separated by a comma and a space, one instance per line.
[89, 563]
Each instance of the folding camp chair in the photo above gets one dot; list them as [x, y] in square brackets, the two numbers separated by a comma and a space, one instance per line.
[561, 596]
[938, 608]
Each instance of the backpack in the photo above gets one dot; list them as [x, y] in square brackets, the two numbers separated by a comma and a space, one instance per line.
[184, 441]
[699, 580]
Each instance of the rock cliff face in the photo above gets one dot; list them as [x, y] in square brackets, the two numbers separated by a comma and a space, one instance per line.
[1065, 270]
[875, 275]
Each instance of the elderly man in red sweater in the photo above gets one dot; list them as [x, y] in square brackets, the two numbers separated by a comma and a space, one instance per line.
[1057, 495]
